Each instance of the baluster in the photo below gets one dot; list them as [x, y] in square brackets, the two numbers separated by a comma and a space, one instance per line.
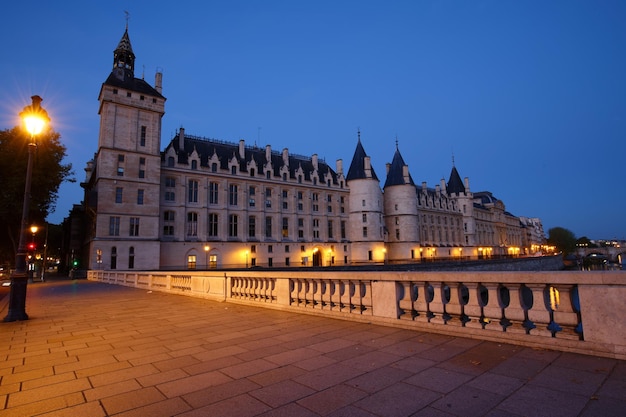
[492, 312]
[420, 305]
[436, 306]
[540, 313]
[406, 300]
[477, 298]
[563, 311]
[363, 294]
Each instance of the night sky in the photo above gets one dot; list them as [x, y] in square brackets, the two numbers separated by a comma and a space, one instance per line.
[527, 97]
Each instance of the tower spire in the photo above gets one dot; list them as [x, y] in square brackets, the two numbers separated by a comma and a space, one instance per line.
[124, 58]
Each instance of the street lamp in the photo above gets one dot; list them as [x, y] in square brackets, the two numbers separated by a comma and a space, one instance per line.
[35, 119]
[207, 248]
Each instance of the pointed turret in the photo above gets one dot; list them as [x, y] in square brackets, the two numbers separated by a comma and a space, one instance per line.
[124, 59]
[398, 172]
[455, 184]
[361, 166]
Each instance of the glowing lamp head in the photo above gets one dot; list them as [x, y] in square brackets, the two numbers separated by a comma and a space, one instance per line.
[34, 117]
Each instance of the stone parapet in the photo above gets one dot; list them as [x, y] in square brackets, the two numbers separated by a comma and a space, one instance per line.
[562, 310]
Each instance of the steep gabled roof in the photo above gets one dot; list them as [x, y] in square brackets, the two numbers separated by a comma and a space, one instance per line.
[395, 176]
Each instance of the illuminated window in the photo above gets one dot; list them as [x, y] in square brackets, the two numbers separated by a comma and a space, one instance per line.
[191, 262]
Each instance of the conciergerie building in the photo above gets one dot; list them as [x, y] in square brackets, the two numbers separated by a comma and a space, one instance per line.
[202, 203]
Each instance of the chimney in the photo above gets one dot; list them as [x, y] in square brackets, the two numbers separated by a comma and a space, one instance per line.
[242, 149]
[181, 139]
[424, 186]
[443, 186]
[339, 166]
[387, 167]
[268, 153]
[466, 181]
[405, 174]
[286, 156]
[314, 161]
[158, 82]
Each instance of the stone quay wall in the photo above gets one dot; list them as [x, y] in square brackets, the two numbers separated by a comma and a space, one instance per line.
[573, 311]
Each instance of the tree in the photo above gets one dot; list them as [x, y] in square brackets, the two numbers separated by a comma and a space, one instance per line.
[48, 174]
[563, 239]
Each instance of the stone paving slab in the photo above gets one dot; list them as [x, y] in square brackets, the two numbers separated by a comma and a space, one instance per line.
[93, 349]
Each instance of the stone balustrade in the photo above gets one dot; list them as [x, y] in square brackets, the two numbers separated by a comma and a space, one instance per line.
[573, 311]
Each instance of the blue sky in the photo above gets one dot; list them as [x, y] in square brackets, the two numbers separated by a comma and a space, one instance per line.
[529, 97]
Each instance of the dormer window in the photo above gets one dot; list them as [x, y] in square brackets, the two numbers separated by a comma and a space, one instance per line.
[194, 164]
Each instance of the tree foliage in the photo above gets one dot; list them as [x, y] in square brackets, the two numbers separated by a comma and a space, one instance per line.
[563, 239]
[49, 172]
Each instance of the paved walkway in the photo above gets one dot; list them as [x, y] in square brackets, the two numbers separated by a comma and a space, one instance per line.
[92, 349]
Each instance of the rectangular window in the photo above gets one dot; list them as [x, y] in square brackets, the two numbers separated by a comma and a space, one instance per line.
[192, 191]
[114, 226]
[365, 232]
[232, 225]
[168, 230]
[252, 226]
[232, 194]
[213, 192]
[268, 226]
[142, 138]
[140, 194]
[170, 194]
[330, 229]
[118, 195]
[134, 226]
[285, 227]
[212, 224]
[142, 167]
[192, 224]
[343, 229]
[364, 217]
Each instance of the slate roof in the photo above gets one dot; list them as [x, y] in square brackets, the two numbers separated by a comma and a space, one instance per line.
[395, 176]
[357, 166]
[455, 184]
[133, 84]
[225, 151]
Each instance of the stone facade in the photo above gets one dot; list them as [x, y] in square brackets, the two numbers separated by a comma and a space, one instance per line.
[202, 203]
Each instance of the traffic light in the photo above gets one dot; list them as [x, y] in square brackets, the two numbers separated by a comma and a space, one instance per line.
[32, 246]
[75, 263]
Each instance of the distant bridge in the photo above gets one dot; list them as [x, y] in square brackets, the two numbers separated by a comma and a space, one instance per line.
[612, 254]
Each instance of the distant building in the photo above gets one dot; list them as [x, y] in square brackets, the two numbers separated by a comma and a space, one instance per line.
[203, 203]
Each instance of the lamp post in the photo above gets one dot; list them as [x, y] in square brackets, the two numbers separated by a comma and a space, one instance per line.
[35, 119]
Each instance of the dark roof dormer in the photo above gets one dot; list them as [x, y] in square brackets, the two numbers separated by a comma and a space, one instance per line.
[124, 59]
